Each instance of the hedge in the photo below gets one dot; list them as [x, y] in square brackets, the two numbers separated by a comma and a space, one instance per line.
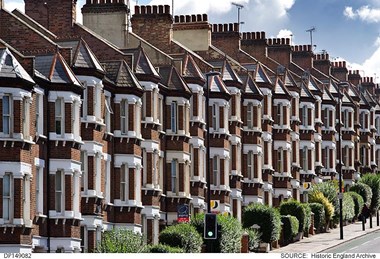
[229, 236]
[307, 210]
[290, 227]
[160, 248]
[348, 208]
[295, 208]
[329, 189]
[267, 218]
[358, 202]
[253, 239]
[318, 197]
[363, 190]
[183, 236]
[373, 181]
[120, 241]
[319, 215]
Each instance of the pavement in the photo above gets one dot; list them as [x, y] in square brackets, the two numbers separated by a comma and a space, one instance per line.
[320, 242]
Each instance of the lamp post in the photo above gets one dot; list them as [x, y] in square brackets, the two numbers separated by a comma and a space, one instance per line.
[211, 73]
[340, 195]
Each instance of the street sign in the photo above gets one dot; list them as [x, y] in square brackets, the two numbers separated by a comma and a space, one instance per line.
[306, 186]
[183, 213]
[215, 206]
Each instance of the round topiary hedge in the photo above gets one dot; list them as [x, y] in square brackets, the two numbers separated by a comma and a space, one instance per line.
[267, 218]
[373, 181]
[160, 248]
[348, 207]
[184, 236]
[363, 190]
[290, 226]
[296, 209]
[318, 197]
[358, 202]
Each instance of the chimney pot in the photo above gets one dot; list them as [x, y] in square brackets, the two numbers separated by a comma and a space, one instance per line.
[155, 9]
[149, 9]
[344, 64]
[176, 18]
[161, 9]
[137, 9]
[225, 27]
[167, 9]
[199, 17]
[143, 9]
[287, 40]
[235, 27]
[220, 27]
[194, 18]
[214, 28]
[205, 19]
[188, 18]
[327, 56]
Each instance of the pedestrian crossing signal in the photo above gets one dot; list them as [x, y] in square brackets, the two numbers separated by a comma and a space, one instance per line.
[210, 226]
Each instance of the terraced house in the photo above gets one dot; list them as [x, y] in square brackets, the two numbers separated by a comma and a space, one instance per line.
[105, 127]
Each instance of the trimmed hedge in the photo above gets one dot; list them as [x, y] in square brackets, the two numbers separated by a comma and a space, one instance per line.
[373, 181]
[319, 215]
[183, 236]
[253, 239]
[348, 207]
[296, 209]
[267, 218]
[363, 190]
[160, 248]
[229, 236]
[358, 202]
[307, 210]
[290, 227]
[120, 240]
[329, 189]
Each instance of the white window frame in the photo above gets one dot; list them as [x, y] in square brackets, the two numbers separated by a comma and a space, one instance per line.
[191, 159]
[250, 165]
[215, 116]
[59, 116]
[124, 110]
[137, 185]
[156, 159]
[8, 198]
[85, 100]
[327, 158]
[145, 166]
[138, 119]
[84, 168]
[305, 161]
[280, 160]
[280, 114]
[108, 112]
[8, 116]
[174, 168]
[346, 156]
[155, 103]
[75, 118]
[26, 198]
[107, 182]
[59, 191]
[39, 114]
[363, 156]
[161, 111]
[98, 172]
[98, 102]
[76, 193]
[305, 115]
[26, 117]
[326, 119]
[250, 116]
[216, 171]
[39, 190]
[124, 183]
[174, 117]
[377, 125]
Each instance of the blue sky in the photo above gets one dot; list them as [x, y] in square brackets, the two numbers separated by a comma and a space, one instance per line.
[347, 29]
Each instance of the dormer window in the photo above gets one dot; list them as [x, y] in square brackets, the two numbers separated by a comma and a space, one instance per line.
[7, 114]
[59, 116]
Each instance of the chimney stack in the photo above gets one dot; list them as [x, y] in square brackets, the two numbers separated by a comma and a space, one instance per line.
[226, 37]
[339, 70]
[255, 44]
[280, 50]
[302, 55]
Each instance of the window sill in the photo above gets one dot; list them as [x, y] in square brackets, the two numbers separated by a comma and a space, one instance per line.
[16, 138]
[180, 195]
[128, 135]
[16, 222]
[91, 194]
[150, 187]
[129, 203]
[151, 120]
[69, 137]
[253, 181]
[93, 120]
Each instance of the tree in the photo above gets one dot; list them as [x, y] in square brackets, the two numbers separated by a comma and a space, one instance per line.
[121, 241]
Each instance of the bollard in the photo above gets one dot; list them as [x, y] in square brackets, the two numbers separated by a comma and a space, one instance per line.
[377, 218]
[370, 220]
[363, 223]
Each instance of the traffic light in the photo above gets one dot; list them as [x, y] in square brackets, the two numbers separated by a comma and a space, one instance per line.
[211, 226]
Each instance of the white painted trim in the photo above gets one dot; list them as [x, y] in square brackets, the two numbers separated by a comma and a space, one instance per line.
[132, 160]
[68, 97]
[18, 169]
[69, 166]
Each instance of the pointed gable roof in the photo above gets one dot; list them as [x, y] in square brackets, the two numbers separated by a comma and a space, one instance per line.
[216, 85]
[54, 69]
[142, 66]
[250, 87]
[228, 74]
[82, 55]
[10, 68]
[306, 92]
[119, 74]
[191, 71]
[172, 80]
[280, 89]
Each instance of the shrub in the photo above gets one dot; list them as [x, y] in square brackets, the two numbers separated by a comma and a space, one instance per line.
[267, 218]
[319, 215]
[358, 202]
[373, 181]
[363, 190]
[183, 236]
[294, 208]
[253, 239]
[307, 210]
[229, 236]
[348, 208]
[160, 248]
[120, 241]
[290, 227]
[318, 197]
[329, 189]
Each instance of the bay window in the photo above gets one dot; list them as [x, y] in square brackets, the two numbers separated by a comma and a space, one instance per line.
[174, 176]
[59, 116]
[250, 165]
[174, 117]
[124, 116]
[8, 203]
[59, 191]
[7, 114]
[124, 183]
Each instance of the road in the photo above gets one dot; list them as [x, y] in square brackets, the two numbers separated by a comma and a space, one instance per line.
[369, 243]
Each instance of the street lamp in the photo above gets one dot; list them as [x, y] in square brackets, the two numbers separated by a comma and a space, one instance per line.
[340, 195]
[209, 74]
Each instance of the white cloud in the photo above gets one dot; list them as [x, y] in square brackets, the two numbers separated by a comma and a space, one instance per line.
[11, 5]
[377, 42]
[364, 13]
[284, 33]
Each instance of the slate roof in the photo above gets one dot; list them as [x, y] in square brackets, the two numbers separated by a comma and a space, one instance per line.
[53, 68]
[250, 87]
[258, 73]
[172, 79]
[11, 68]
[141, 63]
[227, 72]
[190, 69]
[82, 56]
[120, 74]
[217, 85]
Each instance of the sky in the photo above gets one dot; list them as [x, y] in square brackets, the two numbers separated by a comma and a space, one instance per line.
[346, 29]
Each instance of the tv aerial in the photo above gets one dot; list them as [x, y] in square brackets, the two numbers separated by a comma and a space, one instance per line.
[239, 7]
[311, 30]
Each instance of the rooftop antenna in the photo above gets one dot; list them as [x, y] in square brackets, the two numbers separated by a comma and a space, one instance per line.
[128, 18]
[173, 8]
[311, 30]
[239, 7]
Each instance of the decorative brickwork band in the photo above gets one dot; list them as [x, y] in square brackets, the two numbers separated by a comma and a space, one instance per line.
[152, 9]
[191, 18]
